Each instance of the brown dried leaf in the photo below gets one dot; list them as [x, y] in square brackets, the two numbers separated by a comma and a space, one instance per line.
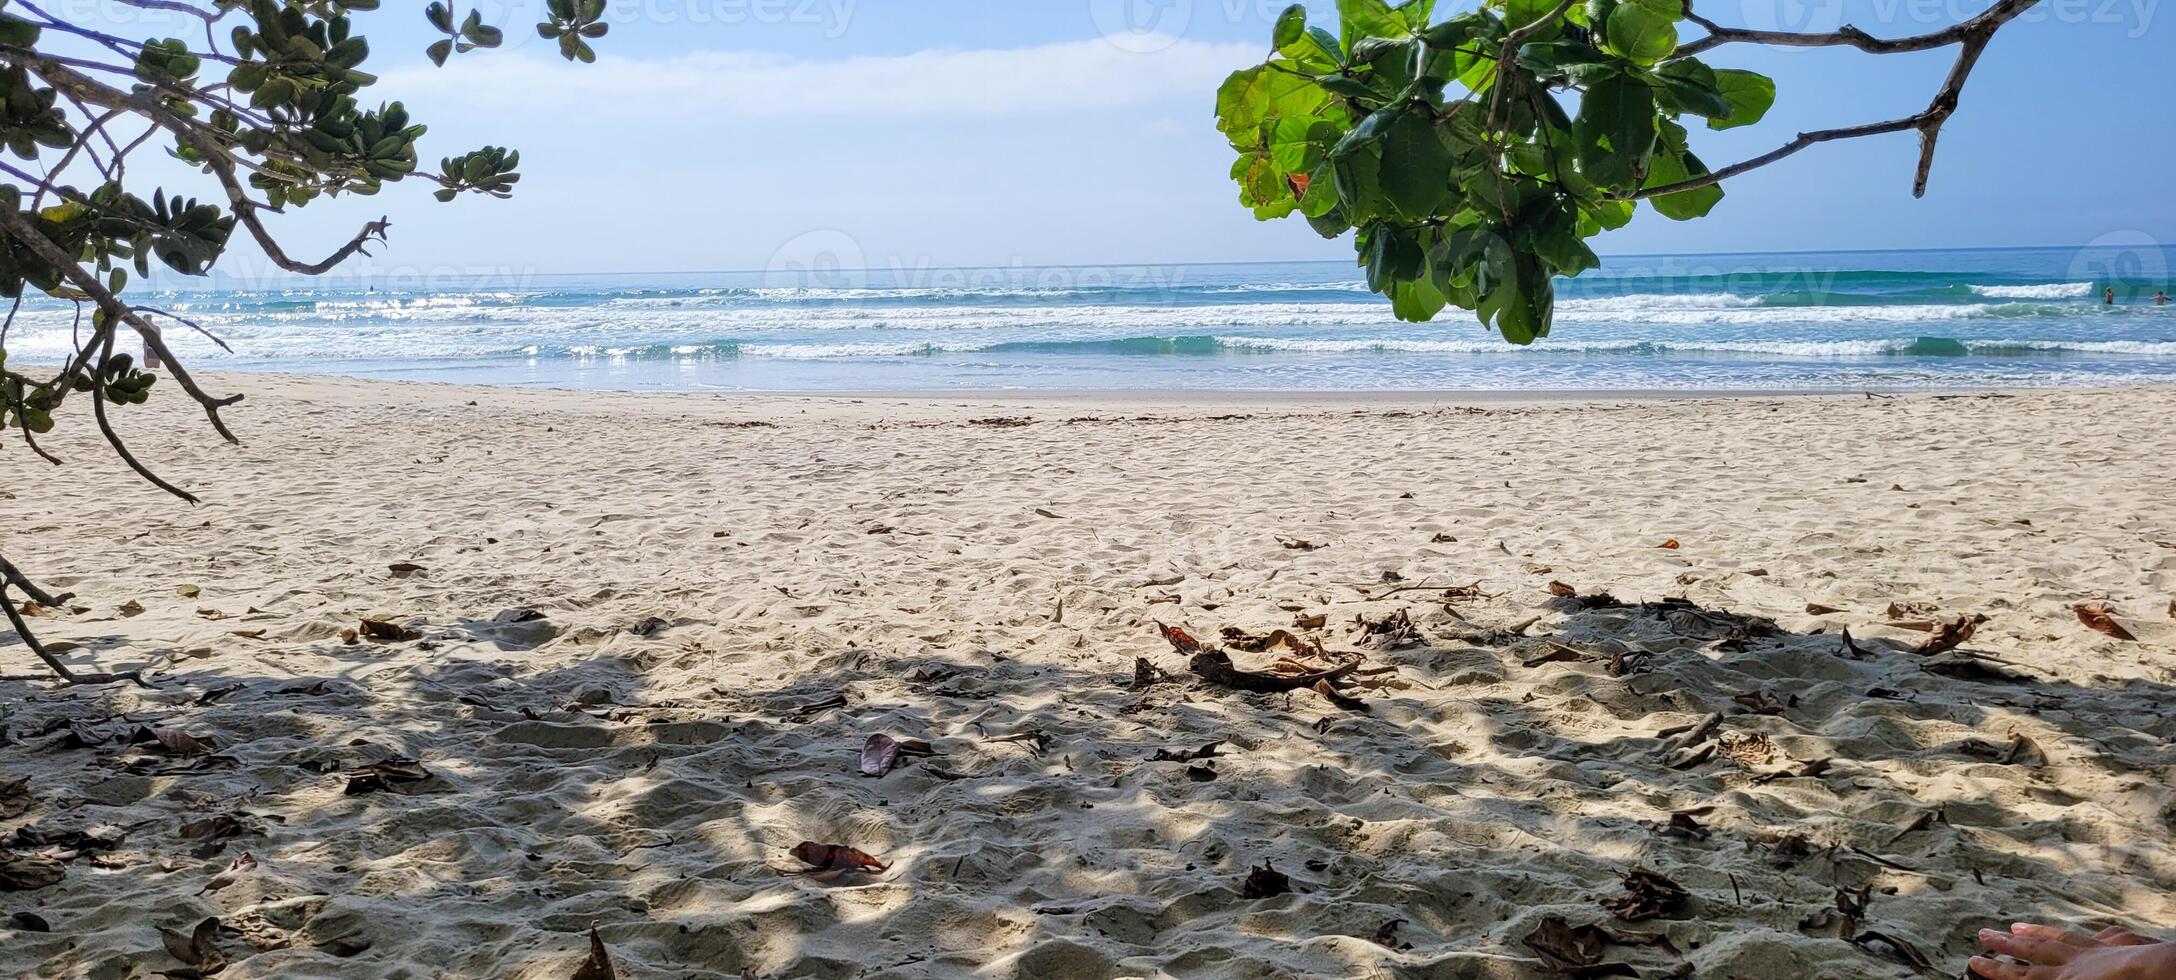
[213, 828]
[1147, 675]
[15, 798]
[1562, 591]
[1181, 640]
[2100, 617]
[1340, 698]
[1948, 636]
[837, 857]
[386, 631]
[1317, 621]
[1670, 545]
[1299, 544]
[1686, 824]
[405, 569]
[1265, 882]
[1562, 948]
[1648, 895]
[599, 964]
[405, 777]
[198, 951]
[174, 741]
[1205, 752]
[28, 872]
[881, 753]
[1912, 610]
[231, 874]
[1817, 609]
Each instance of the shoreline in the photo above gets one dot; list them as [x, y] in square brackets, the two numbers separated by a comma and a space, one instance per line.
[1169, 397]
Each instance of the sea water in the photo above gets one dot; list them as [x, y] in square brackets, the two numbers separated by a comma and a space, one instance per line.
[1775, 321]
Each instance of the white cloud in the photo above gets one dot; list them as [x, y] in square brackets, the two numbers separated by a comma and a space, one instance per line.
[1087, 74]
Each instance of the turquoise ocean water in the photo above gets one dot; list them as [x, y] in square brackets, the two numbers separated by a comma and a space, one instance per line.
[1838, 320]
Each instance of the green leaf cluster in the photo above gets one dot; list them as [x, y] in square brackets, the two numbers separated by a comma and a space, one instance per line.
[277, 119]
[473, 33]
[490, 170]
[1463, 176]
[574, 23]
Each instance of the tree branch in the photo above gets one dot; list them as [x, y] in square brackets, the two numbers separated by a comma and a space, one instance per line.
[1972, 36]
[105, 427]
[1849, 36]
[12, 576]
[16, 226]
[22, 629]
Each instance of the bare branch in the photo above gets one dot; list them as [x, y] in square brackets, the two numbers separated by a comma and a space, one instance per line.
[105, 427]
[176, 6]
[1972, 36]
[22, 630]
[10, 575]
[16, 226]
[1852, 37]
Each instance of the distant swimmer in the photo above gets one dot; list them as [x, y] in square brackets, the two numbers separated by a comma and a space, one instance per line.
[2108, 296]
[2160, 298]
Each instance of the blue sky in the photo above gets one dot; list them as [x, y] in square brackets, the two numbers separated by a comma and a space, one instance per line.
[723, 134]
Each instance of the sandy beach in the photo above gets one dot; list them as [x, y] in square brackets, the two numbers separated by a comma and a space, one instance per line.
[636, 645]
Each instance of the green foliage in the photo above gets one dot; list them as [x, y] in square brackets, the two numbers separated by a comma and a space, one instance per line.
[1464, 179]
[574, 23]
[269, 106]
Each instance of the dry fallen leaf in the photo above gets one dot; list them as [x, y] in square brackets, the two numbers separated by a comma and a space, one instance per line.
[1180, 640]
[837, 857]
[2100, 616]
[405, 569]
[405, 777]
[1265, 882]
[1817, 609]
[882, 752]
[599, 964]
[1569, 951]
[15, 798]
[1670, 545]
[1647, 895]
[175, 741]
[188, 591]
[390, 632]
[1561, 590]
[1948, 636]
[233, 873]
[198, 951]
[28, 872]
[1205, 752]
[1314, 622]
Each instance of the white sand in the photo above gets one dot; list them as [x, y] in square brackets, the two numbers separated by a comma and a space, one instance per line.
[650, 784]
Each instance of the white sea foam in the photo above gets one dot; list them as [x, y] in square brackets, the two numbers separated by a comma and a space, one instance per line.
[2053, 290]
